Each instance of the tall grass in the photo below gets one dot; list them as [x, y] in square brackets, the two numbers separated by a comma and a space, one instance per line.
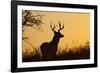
[80, 52]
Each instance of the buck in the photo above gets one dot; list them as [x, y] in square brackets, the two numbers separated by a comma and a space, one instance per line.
[49, 49]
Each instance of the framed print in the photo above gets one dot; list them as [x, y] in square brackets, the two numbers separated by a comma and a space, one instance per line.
[51, 36]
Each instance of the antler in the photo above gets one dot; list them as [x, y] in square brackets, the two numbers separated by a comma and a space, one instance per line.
[60, 28]
[52, 27]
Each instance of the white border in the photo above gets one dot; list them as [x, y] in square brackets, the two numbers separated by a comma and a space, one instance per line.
[53, 63]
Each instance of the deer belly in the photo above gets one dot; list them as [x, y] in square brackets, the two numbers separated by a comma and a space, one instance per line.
[48, 49]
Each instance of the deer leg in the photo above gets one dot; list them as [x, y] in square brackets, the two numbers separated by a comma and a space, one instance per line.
[44, 56]
[53, 56]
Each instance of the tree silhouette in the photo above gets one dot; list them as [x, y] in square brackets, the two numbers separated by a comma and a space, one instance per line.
[30, 20]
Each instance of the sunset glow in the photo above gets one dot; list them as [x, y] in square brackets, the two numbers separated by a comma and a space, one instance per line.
[76, 30]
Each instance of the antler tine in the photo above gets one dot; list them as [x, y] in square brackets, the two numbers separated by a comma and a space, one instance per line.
[59, 24]
[60, 28]
[52, 27]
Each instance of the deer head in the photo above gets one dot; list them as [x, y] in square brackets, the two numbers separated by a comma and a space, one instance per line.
[57, 33]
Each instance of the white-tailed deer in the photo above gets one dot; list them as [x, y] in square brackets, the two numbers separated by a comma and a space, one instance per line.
[49, 49]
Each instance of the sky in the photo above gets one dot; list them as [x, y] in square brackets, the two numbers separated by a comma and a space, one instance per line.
[76, 29]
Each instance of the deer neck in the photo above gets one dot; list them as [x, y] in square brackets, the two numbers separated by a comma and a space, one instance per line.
[55, 40]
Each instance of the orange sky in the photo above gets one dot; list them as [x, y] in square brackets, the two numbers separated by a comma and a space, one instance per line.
[76, 29]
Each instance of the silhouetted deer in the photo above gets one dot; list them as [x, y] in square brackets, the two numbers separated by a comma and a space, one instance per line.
[49, 49]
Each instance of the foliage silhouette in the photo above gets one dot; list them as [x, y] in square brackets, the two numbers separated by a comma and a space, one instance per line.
[82, 52]
[30, 20]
